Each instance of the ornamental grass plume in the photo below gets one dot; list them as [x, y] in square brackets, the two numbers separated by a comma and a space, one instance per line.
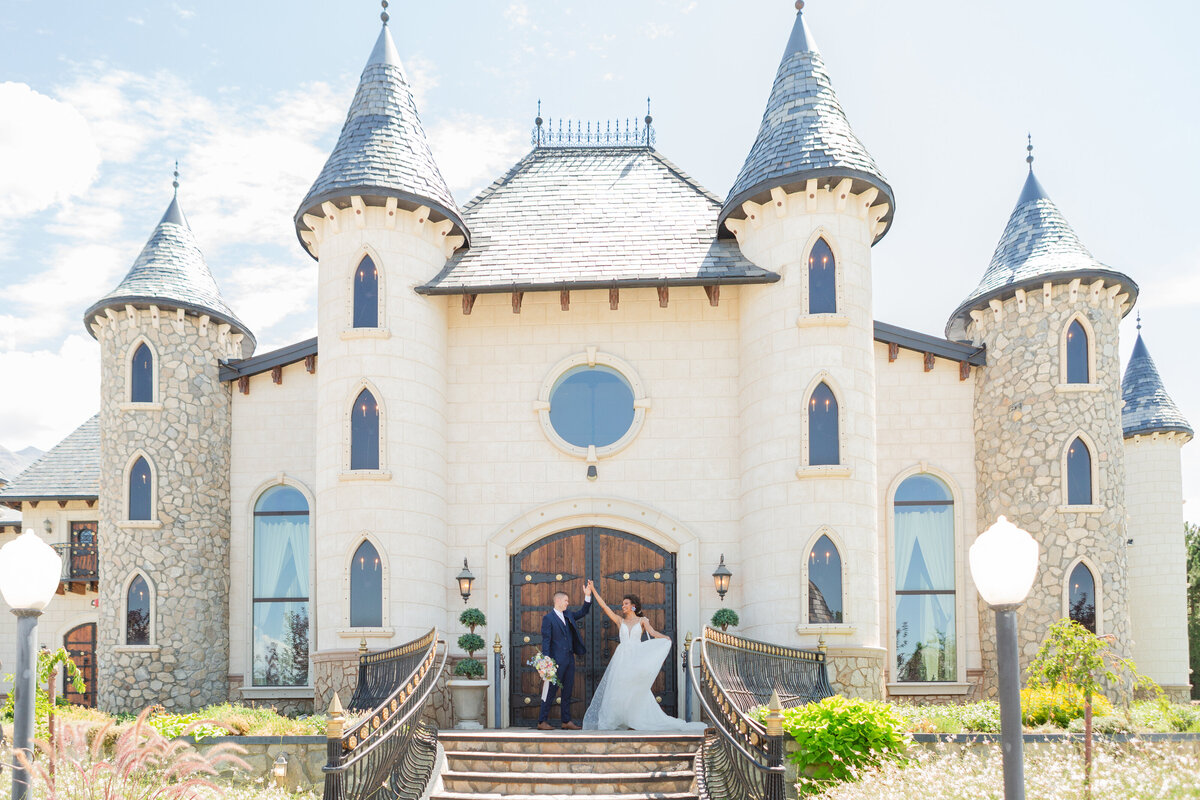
[142, 765]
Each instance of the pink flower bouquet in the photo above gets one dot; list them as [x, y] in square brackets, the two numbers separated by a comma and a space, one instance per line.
[545, 667]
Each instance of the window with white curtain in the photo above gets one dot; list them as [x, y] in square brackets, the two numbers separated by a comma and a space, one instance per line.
[926, 647]
[281, 544]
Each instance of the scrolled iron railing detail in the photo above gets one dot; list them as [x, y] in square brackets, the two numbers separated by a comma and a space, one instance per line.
[585, 133]
[743, 759]
[389, 754]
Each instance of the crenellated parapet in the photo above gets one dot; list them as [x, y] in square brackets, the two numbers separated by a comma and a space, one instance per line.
[439, 234]
[221, 338]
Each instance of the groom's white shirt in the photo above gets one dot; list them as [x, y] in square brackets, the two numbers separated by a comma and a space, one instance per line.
[563, 619]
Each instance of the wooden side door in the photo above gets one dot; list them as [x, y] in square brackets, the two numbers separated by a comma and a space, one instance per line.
[80, 644]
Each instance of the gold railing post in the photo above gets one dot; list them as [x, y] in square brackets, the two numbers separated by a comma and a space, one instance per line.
[335, 779]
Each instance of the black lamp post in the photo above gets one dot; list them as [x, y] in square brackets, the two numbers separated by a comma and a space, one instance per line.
[721, 576]
[465, 579]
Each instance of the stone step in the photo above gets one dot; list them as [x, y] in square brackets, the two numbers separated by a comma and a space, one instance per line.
[499, 796]
[484, 761]
[571, 742]
[508, 784]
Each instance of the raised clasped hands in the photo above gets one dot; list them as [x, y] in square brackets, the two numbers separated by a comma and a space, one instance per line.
[589, 588]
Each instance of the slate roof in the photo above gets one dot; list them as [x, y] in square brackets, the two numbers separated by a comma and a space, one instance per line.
[1038, 245]
[70, 470]
[1148, 408]
[593, 217]
[170, 272]
[804, 134]
[382, 151]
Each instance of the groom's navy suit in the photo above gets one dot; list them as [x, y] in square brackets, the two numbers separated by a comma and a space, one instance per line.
[562, 642]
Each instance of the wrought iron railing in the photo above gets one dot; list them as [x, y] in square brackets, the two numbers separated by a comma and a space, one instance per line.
[389, 754]
[80, 562]
[743, 759]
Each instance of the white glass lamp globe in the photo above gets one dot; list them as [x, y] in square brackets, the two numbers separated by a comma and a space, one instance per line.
[1004, 563]
[29, 572]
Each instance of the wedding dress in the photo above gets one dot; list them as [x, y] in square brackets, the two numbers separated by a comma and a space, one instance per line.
[623, 699]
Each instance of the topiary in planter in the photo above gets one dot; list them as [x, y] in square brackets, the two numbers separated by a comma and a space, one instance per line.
[472, 618]
[468, 667]
[724, 618]
[470, 642]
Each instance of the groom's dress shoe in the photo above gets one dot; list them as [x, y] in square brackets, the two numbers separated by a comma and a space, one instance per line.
[544, 726]
[571, 726]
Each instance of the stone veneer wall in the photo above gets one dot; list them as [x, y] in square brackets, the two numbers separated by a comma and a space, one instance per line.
[856, 671]
[337, 670]
[184, 549]
[1024, 420]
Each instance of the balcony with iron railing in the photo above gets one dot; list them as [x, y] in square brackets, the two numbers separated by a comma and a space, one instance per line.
[80, 568]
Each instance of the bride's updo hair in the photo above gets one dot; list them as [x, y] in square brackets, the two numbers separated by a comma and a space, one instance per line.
[637, 603]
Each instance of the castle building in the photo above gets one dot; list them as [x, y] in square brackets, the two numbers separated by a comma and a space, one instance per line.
[599, 369]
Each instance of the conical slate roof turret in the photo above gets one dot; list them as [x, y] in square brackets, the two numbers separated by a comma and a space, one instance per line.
[170, 273]
[382, 151]
[804, 134]
[1038, 245]
[1148, 408]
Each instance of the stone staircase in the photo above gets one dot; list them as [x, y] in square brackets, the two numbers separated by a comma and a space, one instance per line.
[543, 765]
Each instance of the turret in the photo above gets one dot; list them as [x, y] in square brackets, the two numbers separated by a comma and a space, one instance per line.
[1048, 439]
[380, 220]
[808, 204]
[164, 477]
[1155, 431]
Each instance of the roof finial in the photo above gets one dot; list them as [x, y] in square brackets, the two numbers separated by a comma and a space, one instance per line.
[799, 5]
[1139, 320]
[1029, 150]
[383, 15]
[175, 183]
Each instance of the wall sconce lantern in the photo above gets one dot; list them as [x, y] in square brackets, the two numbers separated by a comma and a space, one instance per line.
[721, 576]
[465, 579]
[48, 526]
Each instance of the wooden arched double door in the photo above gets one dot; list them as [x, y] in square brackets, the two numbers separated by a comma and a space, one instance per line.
[620, 564]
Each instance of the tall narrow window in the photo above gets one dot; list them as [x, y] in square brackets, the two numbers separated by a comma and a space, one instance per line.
[1079, 474]
[824, 583]
[366, 588]
[926, 643]
[366, 294]
[822, 426]
[137, 612]
[822, 279]
[1077, 354]
[364, 432]
[141, 376]
[1081, 602]
[140, 490]
[281, 588]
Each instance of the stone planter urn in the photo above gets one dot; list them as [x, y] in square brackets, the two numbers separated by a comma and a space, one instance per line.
[470, 702]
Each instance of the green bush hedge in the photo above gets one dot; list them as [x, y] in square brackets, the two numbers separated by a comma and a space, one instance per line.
[1045, 706]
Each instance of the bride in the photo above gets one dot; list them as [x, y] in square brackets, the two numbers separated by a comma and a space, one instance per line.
[623, 699]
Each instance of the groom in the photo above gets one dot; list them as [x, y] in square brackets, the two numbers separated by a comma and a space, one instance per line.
[561, 641]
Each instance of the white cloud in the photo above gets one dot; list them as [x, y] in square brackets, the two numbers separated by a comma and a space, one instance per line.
[47, 153]
[59, 392]
[657, 30]
[472, 151]
[264, 293]
[517, 15]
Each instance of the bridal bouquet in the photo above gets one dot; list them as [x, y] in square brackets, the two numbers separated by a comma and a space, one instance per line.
[545, 667]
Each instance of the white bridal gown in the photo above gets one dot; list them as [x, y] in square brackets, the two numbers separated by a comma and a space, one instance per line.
[623, 699]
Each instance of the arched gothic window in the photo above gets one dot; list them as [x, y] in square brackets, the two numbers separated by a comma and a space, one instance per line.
[364, 432]
[137, 612]
[141, 375]
[1081, 600]
[1077, 354]
[366, 294]
[926, 640]
[281, 545]
[823, 445]
[1079, 474]
[824, 583]
[366, 588]
[822, 279]
[141, 490]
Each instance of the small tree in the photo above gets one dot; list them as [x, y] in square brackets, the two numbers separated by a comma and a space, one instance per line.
[472, 618]
[1191, 537]
[1073, 655]
[470, 667]
[724, 618]
[47, 662]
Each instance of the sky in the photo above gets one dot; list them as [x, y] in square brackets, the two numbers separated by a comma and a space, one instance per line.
[98, 100]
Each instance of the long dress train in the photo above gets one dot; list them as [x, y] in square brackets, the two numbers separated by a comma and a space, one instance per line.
[623, 700]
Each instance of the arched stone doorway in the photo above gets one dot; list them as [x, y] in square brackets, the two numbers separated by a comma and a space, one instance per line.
[620, 563]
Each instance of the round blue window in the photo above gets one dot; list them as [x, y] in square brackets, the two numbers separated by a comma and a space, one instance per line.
[591, 406]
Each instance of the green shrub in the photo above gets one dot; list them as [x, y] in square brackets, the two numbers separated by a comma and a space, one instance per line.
[981, 717]
[472, 618]
[1041, 705]
[468, 668]
[470, 642]
[1106, 725]
[724, 618]
[840, 737]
